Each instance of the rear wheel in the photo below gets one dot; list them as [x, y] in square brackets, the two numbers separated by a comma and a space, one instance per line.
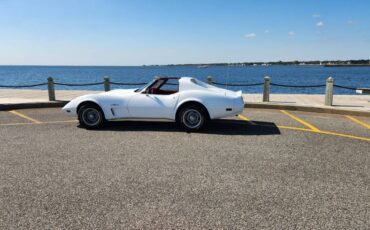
[192, 118]
[91, 116]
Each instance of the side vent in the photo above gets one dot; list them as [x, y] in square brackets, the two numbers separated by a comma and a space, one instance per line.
[112, 112]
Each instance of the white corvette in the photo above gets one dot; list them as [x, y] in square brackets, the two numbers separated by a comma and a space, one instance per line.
[186, 100]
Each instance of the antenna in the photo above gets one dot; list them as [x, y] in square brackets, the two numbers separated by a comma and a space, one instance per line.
[227, 73]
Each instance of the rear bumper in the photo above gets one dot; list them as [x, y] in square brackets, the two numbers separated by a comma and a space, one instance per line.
[238, 105]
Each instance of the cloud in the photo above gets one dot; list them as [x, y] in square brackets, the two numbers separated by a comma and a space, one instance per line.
[316, 15]
[267, 31]
[291, 33]
[251, 35]
[320, 24]
[351, 22]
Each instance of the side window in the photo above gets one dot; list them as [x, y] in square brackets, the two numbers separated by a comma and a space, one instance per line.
[171, 85]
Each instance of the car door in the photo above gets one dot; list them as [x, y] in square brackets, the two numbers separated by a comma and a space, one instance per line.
[144, 105]
[157, 101]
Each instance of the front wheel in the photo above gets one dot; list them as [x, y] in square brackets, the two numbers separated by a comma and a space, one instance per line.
[91, 116]
[192, 118]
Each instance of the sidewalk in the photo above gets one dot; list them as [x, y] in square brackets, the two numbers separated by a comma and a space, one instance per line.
[342, 102]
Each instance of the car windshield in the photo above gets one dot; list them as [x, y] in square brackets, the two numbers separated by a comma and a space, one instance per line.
[145, 86]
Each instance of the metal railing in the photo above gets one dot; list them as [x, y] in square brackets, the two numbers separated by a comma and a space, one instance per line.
[329, 86]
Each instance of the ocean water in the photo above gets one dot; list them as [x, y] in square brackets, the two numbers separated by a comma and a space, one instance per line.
[293, 75]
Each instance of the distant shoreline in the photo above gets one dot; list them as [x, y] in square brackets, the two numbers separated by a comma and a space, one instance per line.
[341, 63]
[347, 65]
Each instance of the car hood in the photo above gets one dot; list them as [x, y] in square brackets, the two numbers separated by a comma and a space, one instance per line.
[95, 97]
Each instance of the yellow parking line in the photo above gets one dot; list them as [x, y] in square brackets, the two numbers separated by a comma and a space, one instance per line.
[359, 122]
[317, 131]
[25, 116]
[11, 124]
[305, 123]
[47, 122]
[56, 122]
[293, 128]
[324, 132]
[246, 119]
[343, 135]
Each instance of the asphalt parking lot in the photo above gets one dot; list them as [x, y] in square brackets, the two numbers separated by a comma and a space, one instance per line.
[263, 169]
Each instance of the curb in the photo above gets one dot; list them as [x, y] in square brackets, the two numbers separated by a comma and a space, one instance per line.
[261, 105]
[303, 108]
[33, 105]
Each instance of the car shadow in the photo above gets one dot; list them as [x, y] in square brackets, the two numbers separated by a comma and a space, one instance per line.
[219, 127]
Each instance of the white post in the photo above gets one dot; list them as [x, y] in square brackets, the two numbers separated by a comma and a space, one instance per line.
[329, 91]
[266, 89]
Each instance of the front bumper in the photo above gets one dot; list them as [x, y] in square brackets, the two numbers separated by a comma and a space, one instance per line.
[70, 110]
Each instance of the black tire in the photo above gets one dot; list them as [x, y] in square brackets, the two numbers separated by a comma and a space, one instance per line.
[91, 116]
[192, 117]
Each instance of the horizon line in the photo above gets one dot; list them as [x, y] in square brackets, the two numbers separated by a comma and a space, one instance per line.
[171, 64]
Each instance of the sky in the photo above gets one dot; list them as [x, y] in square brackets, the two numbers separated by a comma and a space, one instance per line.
[145, 32]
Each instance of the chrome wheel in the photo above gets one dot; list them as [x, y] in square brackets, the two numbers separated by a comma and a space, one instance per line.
[91, 116]
[192, 118]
